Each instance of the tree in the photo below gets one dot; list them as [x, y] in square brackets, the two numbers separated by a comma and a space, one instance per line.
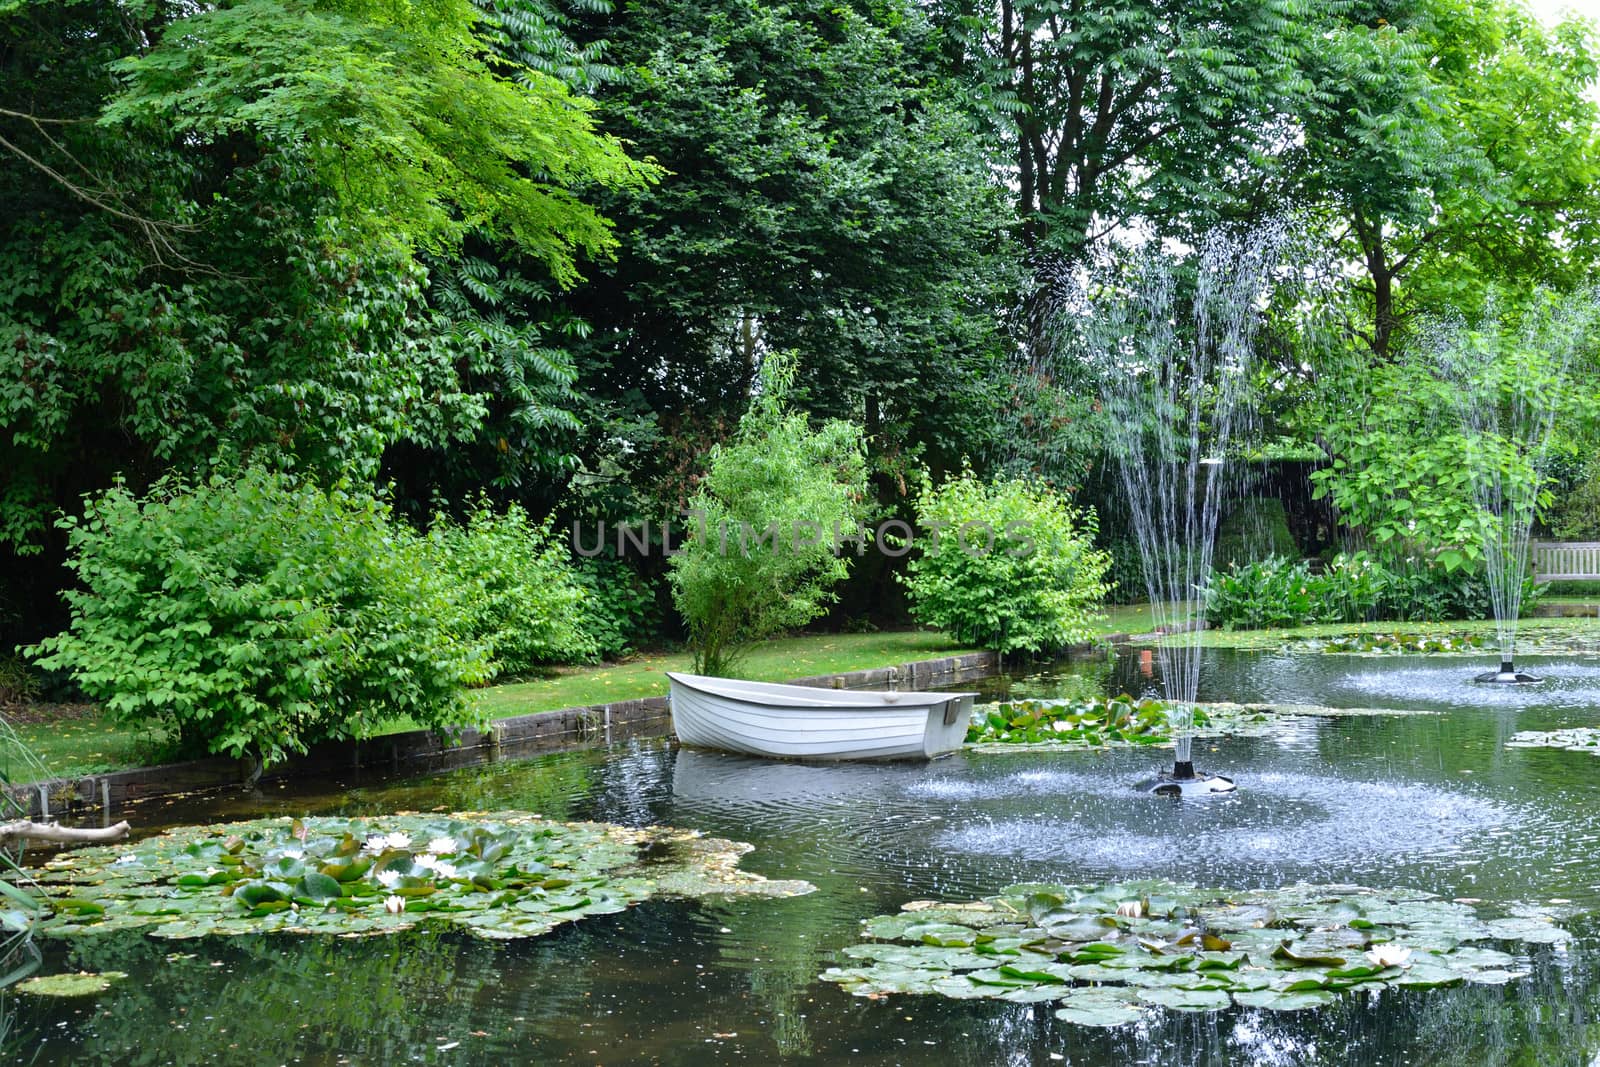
[775, 502]
[828, 195]
[420, 135]
[1108, 114]
[1455, 146]
[216, 229]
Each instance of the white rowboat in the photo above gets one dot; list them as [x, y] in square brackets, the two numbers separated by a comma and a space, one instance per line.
[799, 722]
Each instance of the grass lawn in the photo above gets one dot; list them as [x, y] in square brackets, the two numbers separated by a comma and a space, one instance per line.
[74, 740]
[71, 746]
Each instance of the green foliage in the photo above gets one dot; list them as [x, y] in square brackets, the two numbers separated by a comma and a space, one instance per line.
[214, 250]
[1576, 515]
[401, 113]
[761, 557]
[1015, 567]
[1396, 445]
[257, 616]
[828, 196]
[1280, 593]
[619, 606]
[1264, 594]
[1256, 529]
[523, 598]
[1456, 146]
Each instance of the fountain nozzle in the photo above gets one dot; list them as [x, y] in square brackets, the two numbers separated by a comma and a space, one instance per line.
[1507, 675]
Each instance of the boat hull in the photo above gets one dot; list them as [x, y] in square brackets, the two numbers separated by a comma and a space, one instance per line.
[797, 722]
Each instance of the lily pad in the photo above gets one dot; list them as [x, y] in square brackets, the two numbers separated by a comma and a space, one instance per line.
[1289, 949]
[1099, 1007]
[499, 876]
[82, 984]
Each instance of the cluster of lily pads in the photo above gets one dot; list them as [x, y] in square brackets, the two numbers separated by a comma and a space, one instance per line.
[1395, 643]
[501, 876]
[1106, 953]
[1573, 739]
[1089, 723]
[1122, 721]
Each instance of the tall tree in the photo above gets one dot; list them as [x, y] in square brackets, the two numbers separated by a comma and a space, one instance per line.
[1127, 111]
[827, 195]
[215, 221]
[1454, 147]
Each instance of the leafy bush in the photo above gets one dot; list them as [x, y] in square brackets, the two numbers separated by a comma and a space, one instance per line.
[1255, 530]
[619, 608]
[259, 616]
[1278, 593]
[525, 601]
[1265, 595]
[1576, 517]
[1035, 587]
[761, 559]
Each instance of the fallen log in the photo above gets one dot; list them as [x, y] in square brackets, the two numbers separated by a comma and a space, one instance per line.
[19, 829]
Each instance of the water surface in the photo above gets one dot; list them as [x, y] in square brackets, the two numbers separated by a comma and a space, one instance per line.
[1430, 801]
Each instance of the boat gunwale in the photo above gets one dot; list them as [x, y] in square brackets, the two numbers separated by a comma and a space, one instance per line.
[804, 696]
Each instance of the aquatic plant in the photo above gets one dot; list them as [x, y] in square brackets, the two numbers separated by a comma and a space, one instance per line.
[501, 876]
[1393, 644]
[1109, 722]
[1088, 723]
[1106, 953]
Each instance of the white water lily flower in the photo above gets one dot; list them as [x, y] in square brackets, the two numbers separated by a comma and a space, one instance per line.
[292, 853]
[433, 863]
[126, 859]
[389, 878]
[1130, 909]
[443, 846]
[1389, 956]
[394, 905]
[383, 842]
[1060, 726]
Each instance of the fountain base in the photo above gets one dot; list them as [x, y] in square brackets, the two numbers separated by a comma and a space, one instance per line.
[1507, 675]
[1184, 781]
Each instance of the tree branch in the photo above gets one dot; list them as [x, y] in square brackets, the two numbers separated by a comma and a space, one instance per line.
[19, 829]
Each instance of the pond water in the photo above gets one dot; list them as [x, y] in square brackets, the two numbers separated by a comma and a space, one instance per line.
[1424, 801]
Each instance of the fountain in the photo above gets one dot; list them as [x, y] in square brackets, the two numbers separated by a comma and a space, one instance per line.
[1174, 390]
[1506, 387]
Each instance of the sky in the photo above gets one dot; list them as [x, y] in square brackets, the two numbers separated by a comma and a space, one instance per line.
[1550, 10]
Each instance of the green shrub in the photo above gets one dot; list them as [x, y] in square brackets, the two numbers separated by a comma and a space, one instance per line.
[1036, 588]
[1279, 593]
[258, 616]
[761, 558]
[1257, 529]
[525, 601]
[1576, 516]
[18, 683]
[620, 607]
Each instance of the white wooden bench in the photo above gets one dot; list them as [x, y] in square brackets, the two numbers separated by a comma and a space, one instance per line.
[1566, 561]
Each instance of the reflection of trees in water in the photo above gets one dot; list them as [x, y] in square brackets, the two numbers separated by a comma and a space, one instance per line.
[631, 785]
[552, 784]
[263, 999]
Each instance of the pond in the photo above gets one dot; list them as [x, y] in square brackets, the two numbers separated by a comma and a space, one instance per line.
[1434, 802]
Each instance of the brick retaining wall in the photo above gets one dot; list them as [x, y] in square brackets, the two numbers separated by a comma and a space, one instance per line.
[540, 731]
